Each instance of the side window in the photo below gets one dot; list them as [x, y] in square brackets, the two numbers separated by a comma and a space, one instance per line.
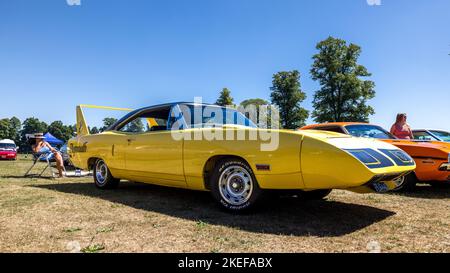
[150, 121]
[137, 125]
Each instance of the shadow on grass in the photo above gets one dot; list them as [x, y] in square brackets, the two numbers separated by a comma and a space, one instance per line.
[425, 191]
[285, 216]
[31, 176]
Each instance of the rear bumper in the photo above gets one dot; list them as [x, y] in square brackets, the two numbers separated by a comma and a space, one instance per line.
[8, 156]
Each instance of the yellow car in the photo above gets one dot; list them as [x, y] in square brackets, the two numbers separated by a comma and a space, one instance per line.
[217, 149]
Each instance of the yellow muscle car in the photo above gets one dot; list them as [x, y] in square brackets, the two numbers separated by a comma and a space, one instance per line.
[217, 149]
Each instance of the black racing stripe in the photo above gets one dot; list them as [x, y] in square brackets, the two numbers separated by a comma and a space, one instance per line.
[391, 153]
[383, 160]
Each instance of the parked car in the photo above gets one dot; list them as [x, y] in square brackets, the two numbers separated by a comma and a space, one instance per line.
[8, 150]
[65, 154]
[432, 157]
[431, 134]
[236, 172]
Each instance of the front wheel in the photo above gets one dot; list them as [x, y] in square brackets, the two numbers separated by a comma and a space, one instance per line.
[102, 176]
[406, 183]
[233, 185]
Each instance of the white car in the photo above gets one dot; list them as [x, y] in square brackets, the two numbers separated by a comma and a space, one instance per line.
[8, 149]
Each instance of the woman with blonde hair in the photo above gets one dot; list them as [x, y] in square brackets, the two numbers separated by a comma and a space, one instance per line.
[401, 129]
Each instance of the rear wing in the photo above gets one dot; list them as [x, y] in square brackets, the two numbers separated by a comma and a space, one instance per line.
[82, 127]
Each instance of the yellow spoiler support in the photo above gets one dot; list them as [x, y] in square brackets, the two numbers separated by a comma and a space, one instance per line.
[82, 127]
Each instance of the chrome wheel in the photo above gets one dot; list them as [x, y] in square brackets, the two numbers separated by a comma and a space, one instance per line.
[101, 172]
[399, 181]
[236, 185]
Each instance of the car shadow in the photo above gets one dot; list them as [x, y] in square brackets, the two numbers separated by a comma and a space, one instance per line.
[285, 216]
[425, 191]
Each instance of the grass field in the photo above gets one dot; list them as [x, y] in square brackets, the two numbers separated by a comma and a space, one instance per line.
[70, 214]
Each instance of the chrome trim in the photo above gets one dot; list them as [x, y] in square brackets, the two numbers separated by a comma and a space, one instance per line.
[445, 167]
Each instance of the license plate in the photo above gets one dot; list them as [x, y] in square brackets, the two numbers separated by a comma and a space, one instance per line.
[3, 156]
[380, 187]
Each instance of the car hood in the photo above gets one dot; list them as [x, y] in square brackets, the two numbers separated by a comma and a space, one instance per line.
[431, 149]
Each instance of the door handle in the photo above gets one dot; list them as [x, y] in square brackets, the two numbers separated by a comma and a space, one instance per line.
[131, 140]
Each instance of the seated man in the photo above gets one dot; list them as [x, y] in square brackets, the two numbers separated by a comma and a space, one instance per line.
[42, 147]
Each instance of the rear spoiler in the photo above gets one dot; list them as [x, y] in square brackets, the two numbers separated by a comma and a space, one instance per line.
[82, 127]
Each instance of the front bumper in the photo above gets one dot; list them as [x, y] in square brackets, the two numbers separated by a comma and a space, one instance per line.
[380, 183]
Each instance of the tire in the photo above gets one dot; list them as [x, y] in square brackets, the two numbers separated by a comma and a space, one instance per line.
[315, 195]
[233, 185]
[408, 183]
[103, 178]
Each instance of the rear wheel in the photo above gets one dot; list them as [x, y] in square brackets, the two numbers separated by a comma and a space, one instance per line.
[406, 183]
[102, 176]
[314, 195]
[233, 185]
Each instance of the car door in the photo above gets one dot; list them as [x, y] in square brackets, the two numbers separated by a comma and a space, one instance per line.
[153, 155]
[112, 148]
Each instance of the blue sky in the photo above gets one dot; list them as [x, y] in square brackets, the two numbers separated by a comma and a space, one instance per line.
[138, 53]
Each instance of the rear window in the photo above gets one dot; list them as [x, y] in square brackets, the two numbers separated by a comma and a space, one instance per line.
[7, 146]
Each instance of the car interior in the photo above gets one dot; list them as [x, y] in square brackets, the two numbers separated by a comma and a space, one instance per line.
[151, 121]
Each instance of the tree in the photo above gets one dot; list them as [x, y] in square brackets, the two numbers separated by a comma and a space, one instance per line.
[14, 129]
[107, 122]
[94, 130]
[257, 103]
[4, 128]
[61, 131]
[31, 126]
[287, 95]
[343, 95]
[225, 98]
[10, 129]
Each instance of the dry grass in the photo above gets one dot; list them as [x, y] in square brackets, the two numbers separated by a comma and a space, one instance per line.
[43, 215]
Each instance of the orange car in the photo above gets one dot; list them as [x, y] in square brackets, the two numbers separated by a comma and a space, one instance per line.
[432, 157]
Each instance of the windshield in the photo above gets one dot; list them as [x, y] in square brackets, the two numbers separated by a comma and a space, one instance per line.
[424, 136]
[211, 116]
[445, 136]
[370, 131]
[7, 146]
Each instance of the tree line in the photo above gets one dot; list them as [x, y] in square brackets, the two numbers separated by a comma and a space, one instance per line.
[14, 129]
[343, 92]
[342, 96]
